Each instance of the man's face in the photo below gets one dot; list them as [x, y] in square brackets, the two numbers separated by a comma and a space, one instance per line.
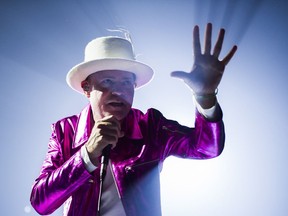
[111, 93]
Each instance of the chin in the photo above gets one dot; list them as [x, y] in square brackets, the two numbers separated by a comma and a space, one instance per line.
[119, 115]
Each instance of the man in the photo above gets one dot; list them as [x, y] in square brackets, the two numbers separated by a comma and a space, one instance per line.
[140, 142]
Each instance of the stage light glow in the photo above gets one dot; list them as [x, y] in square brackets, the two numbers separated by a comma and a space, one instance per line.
[40, 41]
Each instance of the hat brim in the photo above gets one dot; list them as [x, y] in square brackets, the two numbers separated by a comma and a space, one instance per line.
[80, 72]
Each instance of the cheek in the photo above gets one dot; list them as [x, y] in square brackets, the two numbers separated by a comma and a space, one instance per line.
[130, 97]
[130, 92]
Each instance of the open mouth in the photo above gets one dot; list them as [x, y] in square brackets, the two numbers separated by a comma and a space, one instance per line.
[116, 104]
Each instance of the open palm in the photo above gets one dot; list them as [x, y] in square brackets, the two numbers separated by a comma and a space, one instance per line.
[207, 70]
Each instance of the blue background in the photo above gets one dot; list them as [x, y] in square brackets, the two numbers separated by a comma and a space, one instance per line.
[41, 40]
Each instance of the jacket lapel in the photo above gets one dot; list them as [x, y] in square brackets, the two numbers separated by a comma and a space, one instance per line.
[83, 127]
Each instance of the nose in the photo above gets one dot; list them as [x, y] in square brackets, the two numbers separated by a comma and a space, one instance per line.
[118, 93]
[117, 90]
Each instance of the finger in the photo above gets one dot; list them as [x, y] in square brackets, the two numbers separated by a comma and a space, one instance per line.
[107, 136]
[117, 127]
[207, 47]
[109, 139]
[218, 45]
[117, 123]
[229, 55]
[179, 74]
[110, 120]
[196, 41]
[109, 125]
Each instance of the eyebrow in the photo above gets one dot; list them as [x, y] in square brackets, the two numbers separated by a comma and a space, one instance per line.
[111, 76]
[133, 77]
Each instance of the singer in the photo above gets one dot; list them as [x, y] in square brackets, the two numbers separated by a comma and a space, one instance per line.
[138, 142]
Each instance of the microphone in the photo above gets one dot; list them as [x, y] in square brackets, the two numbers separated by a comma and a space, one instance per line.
[104, 161]
[103, 168]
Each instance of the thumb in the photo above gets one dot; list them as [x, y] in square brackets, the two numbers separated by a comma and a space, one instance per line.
[179, 74]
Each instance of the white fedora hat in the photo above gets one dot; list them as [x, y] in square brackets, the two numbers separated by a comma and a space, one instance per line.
[108, 53]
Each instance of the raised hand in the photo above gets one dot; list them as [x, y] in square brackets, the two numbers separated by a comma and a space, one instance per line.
[207, 70]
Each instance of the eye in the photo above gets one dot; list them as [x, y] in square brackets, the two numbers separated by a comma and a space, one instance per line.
[106, 82]
[128, 83]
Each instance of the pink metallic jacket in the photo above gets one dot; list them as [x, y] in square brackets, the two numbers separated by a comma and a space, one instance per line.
[136, 161]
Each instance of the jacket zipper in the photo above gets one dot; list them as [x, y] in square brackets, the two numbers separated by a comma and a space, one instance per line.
[130, 168]
[173, 131]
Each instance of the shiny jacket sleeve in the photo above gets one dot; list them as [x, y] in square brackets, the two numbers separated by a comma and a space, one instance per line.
[57, 179]
[204, 141]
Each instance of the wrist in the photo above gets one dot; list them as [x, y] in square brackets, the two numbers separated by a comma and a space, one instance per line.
[92, 154]
[89, 165]
[206, 101]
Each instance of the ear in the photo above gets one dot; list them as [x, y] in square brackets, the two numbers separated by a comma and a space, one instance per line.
[86, 88]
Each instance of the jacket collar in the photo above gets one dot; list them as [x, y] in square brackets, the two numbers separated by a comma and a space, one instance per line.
[85, 124]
